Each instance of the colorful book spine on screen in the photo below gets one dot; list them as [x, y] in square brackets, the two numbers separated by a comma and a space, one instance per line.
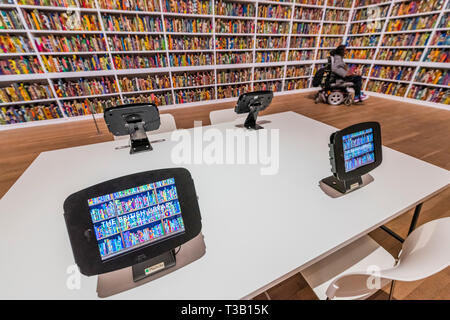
[20, 91]
[189, 42]
[430, 94]
[72, 43]
[188, 6]
[225, 8]
[88, 4]
[268, 73]
[132, 23]
[26, 113]
[227, 42]
[9, 19]
[140, 61]
[21, 65]
[234, 26]
[193, 79]
[234, 75]
[194, 95]
[232, 91]
[188, 25]
[144, 83]
[138, 5]
[15, 44]
[85, 87]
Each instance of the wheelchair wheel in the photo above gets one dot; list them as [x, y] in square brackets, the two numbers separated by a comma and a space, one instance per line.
[335, 98]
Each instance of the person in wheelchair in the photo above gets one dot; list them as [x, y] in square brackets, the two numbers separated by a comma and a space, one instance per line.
[338, 85]
[339, 68]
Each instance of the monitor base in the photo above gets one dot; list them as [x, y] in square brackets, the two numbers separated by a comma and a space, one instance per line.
[335, 188]
[139, 140]
[152, 266]
[257, 124]
[118, 281]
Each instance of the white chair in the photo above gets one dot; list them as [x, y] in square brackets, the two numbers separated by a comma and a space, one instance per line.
[167, 124]
[224, 115]
[351, 272]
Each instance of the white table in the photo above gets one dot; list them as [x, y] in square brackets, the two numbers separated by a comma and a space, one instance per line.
[293, 222]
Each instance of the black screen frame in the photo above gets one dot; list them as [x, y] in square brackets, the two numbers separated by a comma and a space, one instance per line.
[81, 228]
[338, 150]
[243, 103]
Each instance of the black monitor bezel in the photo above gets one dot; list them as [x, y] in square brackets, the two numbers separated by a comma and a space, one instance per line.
[111, 114]
[242, 105]
[339, 161]
[78, 221]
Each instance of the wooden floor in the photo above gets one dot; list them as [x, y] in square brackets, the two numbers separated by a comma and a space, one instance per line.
[421, 132]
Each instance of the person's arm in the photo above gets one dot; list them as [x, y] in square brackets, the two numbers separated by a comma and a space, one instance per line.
[339, 67]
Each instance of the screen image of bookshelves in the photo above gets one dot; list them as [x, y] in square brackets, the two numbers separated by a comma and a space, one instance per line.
[66, 59]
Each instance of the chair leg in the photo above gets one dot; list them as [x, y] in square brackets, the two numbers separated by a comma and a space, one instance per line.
[391, 293]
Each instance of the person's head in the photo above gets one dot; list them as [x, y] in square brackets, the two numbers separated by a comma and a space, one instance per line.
[340, 50]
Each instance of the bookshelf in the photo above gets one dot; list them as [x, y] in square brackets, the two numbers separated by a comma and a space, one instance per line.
[62, 60]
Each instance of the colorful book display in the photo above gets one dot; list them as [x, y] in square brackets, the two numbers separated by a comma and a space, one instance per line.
[132, 23]
[138, 61]
[16, 92]
[188, 25]
[20, 65]
[438, 55]
[301, 55]
[392, 88]
[271, 42]
[234, 26]
[340, 3]
[296, 84]
[305, 28]
[392, 72]
[336, 15]
[193, 95]
[15, 44]
[235, 9]
[307, 13]
[232, 91]
[89, 106]
[360, 54]
[9, 19]
[363, 41]
[88, 4]
[274, 86]
[331, 28]
[359, 69]
[405, 39]
[189, 42]
[371, 13]
[138, 5]
[144, 83]
[85, 87]
[191, 59]
[330, 42]
[274, 11]
[416, 6]
[433, 76]
[194, 79]
[136, 43]
[268, 73]
[48, 20]
[270, 56]
[441, 38]
[33, 112]
[413, 23]
[158, 98]
[400, 54]
[233, 57]
[76, 63]
[303, 42]
[424, 93]
[271, 27]
[71, 43]
[298, 71]
[188, 6]
[233, 75]
[364, 27]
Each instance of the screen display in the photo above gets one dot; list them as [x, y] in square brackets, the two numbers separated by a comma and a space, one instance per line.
[135, 217]
[358, 149]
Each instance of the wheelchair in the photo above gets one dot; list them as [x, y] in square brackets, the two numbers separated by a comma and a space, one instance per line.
[334, 90]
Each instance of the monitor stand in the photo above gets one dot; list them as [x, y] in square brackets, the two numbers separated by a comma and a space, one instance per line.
[336, 188]
[250, 122]
[118, 281]
[139, 139]
[152, 266]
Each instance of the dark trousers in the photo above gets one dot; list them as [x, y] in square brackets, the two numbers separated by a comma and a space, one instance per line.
[357, 80]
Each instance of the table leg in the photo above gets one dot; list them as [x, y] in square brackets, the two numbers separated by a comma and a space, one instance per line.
[411, 226]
